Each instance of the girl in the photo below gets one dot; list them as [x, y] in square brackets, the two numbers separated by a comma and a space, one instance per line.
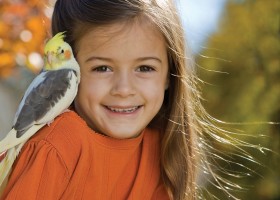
[134, 125]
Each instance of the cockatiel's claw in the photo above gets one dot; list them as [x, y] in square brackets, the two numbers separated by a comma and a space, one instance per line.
[66, 110]
[3, 155]
[49, 123]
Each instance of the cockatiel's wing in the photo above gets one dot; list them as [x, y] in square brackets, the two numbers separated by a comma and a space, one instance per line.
[49, 94]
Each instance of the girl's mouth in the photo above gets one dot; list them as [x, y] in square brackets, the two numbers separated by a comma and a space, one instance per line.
[123, 110]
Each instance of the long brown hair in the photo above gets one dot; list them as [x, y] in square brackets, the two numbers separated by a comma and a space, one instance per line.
[176, 120]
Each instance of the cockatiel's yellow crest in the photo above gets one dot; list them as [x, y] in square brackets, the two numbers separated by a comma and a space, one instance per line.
[48, 95]
[56, 40]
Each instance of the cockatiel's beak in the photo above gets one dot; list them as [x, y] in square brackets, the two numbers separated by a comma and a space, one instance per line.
[50, 58]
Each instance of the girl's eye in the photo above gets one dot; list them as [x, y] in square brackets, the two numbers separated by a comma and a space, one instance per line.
[102, 68]
[145, 68]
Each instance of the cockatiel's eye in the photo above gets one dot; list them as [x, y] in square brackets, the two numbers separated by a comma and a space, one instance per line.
[60, 51]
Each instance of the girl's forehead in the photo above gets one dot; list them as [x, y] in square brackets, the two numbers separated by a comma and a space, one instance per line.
[123, 43]
[121, 31]
[125, 27]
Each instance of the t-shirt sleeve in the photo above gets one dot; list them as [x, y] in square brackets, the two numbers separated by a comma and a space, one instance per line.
[39, 173]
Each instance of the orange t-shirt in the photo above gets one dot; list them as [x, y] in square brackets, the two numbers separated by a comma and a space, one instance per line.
[67, 160]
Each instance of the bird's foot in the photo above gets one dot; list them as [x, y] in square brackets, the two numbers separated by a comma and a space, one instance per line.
[49, 123]
[65, 111]
[3, 155]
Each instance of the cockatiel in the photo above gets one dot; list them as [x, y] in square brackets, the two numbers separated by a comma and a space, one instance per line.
[49, 95]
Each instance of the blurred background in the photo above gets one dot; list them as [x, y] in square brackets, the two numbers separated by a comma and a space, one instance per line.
[237, 50]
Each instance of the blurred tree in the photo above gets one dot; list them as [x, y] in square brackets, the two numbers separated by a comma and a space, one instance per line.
[241, 71]
[23, 30]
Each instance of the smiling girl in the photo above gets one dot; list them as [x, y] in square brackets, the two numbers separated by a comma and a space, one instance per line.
[132, 130]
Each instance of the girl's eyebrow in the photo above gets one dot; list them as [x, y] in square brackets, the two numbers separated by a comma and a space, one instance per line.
[98, 58]
[149, 58]
[110, 60]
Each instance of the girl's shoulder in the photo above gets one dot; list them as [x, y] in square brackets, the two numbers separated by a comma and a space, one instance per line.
[66, 135]
[55, 148]
[67, 125]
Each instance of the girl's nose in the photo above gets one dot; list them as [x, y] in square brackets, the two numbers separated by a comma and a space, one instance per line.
[123, 85]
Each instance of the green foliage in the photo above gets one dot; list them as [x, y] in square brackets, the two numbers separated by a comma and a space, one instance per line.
[241, 71]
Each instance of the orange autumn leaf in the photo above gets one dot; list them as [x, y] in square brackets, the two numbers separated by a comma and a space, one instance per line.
[19, 9]
[6, 45]
[4, 28]
[7, 60]
[19, 47]
[36, 26]
[36, 3]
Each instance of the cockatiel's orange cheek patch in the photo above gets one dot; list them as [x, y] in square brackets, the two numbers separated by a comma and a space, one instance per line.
[67, 54]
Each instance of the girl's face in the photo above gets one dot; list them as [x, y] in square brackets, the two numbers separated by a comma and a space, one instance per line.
[123, 78]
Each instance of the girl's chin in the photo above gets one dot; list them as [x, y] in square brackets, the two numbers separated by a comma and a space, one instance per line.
[121, 133]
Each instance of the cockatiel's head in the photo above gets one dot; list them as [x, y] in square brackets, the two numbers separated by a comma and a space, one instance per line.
[57, 53]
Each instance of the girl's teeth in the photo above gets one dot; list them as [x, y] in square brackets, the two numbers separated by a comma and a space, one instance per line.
[120, 110]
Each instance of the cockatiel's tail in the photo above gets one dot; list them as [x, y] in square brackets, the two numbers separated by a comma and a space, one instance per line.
[48, 95]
